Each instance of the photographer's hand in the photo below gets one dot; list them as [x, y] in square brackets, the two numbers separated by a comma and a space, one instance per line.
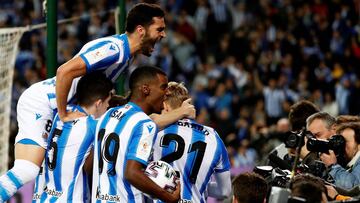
[328, 159]
[331, 192]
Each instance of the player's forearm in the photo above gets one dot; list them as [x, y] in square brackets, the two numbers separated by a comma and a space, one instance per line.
[63, 85]
[64, 76]
[165, 119]
[143, 183]
[221, 187]
[138, 179]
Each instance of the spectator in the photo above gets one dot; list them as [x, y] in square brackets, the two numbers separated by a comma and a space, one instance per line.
[330, 106]
[310, 188]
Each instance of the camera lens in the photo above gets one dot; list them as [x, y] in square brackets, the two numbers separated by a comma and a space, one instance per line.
[291, 141]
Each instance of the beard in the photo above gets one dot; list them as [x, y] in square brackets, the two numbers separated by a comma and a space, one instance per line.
[147, 45]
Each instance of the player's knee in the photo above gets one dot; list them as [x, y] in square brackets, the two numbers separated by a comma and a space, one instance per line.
[25, 170]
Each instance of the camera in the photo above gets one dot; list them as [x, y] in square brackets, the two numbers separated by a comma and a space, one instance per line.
[274, 176]
[335, 143]
[294, 139]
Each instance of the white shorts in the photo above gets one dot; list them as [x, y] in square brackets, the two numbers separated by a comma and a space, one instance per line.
[34, 116]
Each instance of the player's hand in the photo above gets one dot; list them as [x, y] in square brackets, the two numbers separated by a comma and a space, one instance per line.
[175, 196]
[72, 115]
[188, 109]
[328, 159]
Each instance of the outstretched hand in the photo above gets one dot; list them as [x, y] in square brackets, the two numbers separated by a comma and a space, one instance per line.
[72, 115]
[188, 109]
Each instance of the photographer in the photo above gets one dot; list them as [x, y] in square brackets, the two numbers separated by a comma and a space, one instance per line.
[298, 114]
[349, 176]
[322, 125]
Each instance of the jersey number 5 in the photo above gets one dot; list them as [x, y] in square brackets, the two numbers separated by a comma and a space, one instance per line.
[198, 147]
[52, 153]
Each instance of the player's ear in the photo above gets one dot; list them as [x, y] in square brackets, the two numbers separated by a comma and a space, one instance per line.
[98, 103]
[145, 89]
[166, 107]
[140, 30]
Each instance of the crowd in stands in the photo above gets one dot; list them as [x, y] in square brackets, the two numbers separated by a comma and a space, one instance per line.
[244, 61]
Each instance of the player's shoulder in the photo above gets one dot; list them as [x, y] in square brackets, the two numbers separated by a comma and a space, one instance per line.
[192, 124]
[119, 39]
[130, 110]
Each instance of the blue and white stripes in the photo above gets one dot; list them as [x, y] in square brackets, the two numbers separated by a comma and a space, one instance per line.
[196, 151]
[123, 133]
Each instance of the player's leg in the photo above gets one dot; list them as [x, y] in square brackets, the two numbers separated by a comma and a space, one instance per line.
[28, 159]
[34, 124]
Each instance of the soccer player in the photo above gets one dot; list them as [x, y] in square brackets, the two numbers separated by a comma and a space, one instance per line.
[145, 26]
[69, 144]
[195, 150]
[124, 139]
[35, 110]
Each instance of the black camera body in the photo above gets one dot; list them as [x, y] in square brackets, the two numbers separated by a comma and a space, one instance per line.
[274, 176]
[335, 143]
[295, 139]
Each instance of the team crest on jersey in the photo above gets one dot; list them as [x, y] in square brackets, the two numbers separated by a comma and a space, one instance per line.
[144, 148]
[145, 145]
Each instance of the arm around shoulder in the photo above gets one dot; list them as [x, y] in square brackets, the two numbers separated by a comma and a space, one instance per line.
[186, 110]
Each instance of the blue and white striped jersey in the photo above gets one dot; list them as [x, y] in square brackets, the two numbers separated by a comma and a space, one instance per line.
[122, 133]
[196, 151]
[111, 55]
[69, 145]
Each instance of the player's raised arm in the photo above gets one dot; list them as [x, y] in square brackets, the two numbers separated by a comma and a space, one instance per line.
[65, 74]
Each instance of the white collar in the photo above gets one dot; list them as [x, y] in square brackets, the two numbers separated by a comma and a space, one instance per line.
[354, 159]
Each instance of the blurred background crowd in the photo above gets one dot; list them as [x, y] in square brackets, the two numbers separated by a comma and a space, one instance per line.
[244, 61]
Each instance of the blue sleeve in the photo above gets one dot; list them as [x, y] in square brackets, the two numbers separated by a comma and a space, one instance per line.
[344, 178]
[101, 55]
[141, 141]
